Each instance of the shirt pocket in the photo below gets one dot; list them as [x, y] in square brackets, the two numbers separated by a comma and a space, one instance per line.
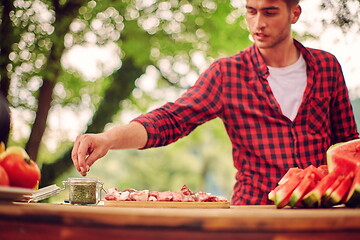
[318, 115]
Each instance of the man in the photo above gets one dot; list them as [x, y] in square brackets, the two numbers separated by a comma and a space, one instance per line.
[282, 105]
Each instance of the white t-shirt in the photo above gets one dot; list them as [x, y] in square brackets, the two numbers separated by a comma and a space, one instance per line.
[288, 86]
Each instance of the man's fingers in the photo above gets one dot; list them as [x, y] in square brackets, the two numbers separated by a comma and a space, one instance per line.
[82, 148]
[85, 152]
[74, 155]
[91, 158]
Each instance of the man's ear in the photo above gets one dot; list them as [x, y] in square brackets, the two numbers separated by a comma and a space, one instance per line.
[295, 14]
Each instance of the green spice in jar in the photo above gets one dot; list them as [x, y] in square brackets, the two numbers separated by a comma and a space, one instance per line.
[83, 193]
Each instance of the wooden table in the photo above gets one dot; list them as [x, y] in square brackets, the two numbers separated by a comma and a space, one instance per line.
[62, 221]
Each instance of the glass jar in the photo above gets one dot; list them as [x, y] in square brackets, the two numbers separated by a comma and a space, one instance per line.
[84, 191]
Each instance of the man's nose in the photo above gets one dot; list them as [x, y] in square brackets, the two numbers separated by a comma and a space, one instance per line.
[260, 22]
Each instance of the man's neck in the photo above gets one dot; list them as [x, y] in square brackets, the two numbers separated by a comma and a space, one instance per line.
[282, 55]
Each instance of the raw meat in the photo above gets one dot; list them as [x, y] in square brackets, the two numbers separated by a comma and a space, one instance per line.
[140, 195]
[184, 195]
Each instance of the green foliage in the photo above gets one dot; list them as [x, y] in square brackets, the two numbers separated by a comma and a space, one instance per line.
[346, 13]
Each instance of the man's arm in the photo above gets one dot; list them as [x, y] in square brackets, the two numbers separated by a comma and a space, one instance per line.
[342, 116]
[162, 126]
[90, 147]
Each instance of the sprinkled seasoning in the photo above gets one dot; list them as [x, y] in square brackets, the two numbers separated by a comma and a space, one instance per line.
[83, 193]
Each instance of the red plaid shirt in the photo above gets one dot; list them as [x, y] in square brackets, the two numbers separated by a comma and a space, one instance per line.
[265, 142]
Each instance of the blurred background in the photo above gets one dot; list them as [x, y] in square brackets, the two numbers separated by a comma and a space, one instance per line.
[74, 66]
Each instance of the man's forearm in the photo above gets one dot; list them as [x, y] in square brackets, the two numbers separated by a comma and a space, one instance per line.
[130, 136]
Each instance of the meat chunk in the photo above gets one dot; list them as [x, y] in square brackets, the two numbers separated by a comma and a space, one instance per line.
[153, 196]
[124, 196]
[114, 194]
[140, 195]
[178, 197]
[188, 198]
[165, 196]
[186, 191]
[111, 194]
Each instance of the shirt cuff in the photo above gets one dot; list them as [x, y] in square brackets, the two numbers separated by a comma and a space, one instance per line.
[151, 130]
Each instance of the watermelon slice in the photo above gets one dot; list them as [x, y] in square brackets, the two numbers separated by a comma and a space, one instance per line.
[353, 198]
[307, 183]
[271, 195]
[312, 176]
[291, 172]
[332, 188]
[340, 193]
[323, 170]
[344, 155]
[284, 191]
[325, 186]
[285, 178]
[313, 198]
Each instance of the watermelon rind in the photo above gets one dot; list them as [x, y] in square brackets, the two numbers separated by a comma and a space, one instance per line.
[284, 179]
[301, 189]
[313, 198]
[332, 188]
[354, 201]
[340, 192]
[353, 198]
[271, 195]
[283, 194]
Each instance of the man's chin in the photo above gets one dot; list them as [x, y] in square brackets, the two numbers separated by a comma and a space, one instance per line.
[263, 45]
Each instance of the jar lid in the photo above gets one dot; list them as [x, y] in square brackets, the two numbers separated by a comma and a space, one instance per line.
[82, 180]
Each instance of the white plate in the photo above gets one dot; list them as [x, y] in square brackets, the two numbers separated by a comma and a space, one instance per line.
[15, 193]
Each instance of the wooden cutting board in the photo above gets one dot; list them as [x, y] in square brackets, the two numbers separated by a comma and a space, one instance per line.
[161, 204]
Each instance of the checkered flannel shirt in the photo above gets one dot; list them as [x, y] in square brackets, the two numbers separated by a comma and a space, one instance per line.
[265, 142]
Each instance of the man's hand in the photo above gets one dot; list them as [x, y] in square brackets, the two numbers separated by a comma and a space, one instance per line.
[88, 148]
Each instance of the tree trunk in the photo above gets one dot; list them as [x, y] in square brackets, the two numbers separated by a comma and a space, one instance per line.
[64, 17]
[39, 126]
[120, 89]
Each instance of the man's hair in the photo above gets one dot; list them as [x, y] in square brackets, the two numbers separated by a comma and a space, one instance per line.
[292, 3]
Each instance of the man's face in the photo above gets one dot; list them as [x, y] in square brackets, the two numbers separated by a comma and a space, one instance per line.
[270, 21]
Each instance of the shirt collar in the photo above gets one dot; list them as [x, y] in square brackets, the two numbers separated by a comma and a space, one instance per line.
[261, 67]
